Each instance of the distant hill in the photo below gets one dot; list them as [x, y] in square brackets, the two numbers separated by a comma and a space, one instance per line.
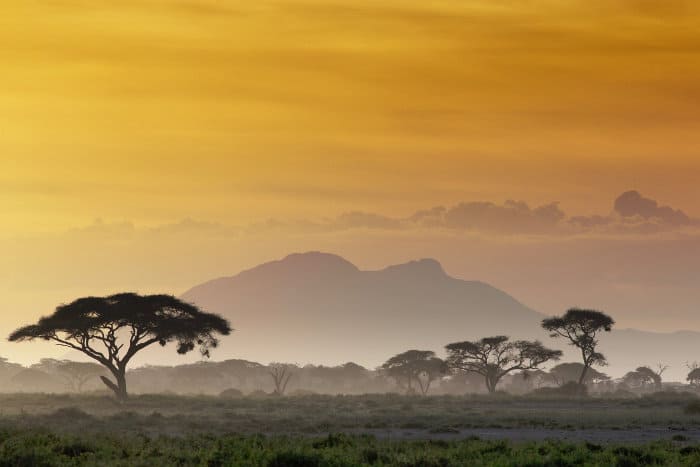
[320, 308]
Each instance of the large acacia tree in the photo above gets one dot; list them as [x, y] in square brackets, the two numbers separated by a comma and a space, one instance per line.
[112, 330]
[581, 327]
[494, 357]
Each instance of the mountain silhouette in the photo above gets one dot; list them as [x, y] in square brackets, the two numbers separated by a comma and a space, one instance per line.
[320, 308]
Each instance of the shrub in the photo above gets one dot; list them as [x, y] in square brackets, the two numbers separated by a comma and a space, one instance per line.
[231, 393]
[294, 459]
[570, 389]
[692, 408]
[669, 397]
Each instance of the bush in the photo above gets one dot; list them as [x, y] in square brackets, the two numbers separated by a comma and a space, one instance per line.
[570, 389]
[619, 394]
[302, 393]
[295, 459]
[693, 408]
[231, 393]
[670, 397]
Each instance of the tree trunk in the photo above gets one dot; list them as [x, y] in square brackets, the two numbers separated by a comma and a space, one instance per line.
[490, 385]
[119, 388]
[582, 378]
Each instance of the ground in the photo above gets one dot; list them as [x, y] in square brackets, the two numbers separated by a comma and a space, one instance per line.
[347, 430]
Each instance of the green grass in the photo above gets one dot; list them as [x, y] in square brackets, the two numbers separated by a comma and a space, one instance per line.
[47, 430]
[44, 449]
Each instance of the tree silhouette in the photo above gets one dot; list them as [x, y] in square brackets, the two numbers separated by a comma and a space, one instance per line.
[694, 373]
[650, 376]
[495, 357]
[571, 371]
[75, 374]
[639, 379]
[694, 377]
[421, 366]
[580, 328]
[281, 374]
[112, 330]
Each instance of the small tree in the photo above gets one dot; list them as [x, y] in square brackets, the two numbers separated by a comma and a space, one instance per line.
[639, 379]
[430, 370]
[694, 373]
[652, 376]
[495, 357]
[112, 330]
[580, 327]
[421, 366]
[281, 374]
[75, 374]
[570, 372]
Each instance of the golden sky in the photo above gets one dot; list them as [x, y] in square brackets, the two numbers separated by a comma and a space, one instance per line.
[155, 110]
[144, 113]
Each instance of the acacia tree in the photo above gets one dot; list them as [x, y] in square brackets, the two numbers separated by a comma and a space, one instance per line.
[494, 357]
[112, 330]
[421, 366]
[580, 327]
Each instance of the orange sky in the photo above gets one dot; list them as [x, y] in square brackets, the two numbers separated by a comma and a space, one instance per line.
[230, 113]
[155, 110]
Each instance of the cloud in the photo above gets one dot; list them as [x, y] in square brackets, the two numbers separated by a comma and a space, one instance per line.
[632, 214]
[359, 219]
[192, 226]
[510, 217]
[631, 204]
[434, 217]
[635, 214]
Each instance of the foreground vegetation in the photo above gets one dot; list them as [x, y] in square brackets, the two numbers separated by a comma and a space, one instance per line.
[45, 449]
[314, 430]
[156, 415]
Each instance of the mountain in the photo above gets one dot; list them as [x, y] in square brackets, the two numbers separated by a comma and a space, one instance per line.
[320, 308]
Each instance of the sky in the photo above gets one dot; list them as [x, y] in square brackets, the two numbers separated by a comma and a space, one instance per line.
[151, 145]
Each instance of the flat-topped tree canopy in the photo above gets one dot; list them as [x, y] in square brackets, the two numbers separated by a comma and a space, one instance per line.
[496, 356]
[580, 327]
[111, 330]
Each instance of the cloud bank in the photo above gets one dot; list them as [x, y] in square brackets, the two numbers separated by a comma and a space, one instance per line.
[631, 213]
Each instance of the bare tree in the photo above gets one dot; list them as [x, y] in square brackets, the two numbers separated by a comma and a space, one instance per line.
[281, 374]
[495, 357]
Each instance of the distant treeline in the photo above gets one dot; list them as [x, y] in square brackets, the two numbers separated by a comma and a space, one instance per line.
[112, 330]
[235, 378]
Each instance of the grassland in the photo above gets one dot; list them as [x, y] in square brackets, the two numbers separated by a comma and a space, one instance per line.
[41, 449]
[312, 430]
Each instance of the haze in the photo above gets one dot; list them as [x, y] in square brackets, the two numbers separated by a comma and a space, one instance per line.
[154, 145]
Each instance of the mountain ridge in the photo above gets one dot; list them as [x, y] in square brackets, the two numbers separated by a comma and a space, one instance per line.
[319, 307]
